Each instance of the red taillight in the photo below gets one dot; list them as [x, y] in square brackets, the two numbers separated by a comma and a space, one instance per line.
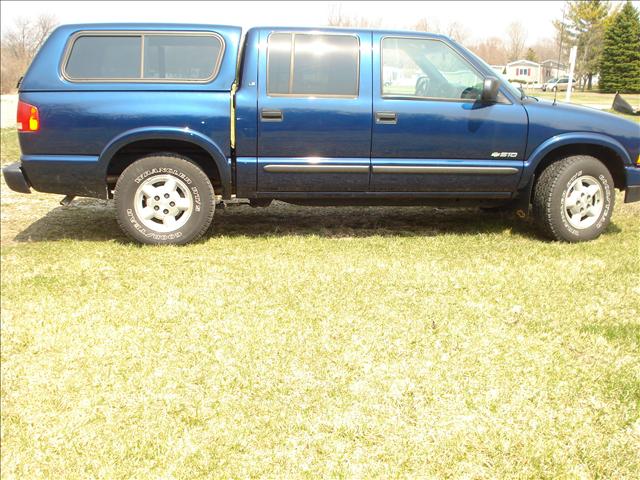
[28, 118]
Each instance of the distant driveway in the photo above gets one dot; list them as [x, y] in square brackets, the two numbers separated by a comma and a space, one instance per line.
[9, 108]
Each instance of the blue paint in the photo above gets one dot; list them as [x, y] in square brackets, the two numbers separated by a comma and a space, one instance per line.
[313, 182]
[85, 124]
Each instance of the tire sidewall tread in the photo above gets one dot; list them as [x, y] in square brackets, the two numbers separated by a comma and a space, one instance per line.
[180, 167]
[550, 193]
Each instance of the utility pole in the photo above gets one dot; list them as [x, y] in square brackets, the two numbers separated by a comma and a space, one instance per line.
[572, 64]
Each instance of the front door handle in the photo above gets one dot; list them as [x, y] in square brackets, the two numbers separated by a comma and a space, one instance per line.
[387, 117]
[271, 115]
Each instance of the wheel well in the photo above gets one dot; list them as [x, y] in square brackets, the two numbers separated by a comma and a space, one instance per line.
[134, 150]
[608, 157]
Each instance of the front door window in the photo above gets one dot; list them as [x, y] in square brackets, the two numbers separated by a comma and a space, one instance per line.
[423, 68]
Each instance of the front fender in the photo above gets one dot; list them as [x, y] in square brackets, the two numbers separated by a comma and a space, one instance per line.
[573, 138]
[169, 133]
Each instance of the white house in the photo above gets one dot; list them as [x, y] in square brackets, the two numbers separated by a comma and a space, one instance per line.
[552, 69]
[525, 71]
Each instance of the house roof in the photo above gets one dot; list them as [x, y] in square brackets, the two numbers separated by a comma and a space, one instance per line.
[553, 63]
[523, 62]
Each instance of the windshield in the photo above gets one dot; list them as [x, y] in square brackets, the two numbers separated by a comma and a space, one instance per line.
[516, 92]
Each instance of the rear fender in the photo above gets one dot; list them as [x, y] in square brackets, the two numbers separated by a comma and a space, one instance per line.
[170, 133]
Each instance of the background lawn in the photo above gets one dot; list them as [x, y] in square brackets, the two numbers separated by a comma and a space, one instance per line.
[601, 101]
[317, 342]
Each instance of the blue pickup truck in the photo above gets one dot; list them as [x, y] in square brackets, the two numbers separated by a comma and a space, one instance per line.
[169, 120]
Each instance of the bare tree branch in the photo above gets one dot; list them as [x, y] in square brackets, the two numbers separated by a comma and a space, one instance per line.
[427, 25]
[19, 46]
[516, 39]
[458, 32]
[337, 18]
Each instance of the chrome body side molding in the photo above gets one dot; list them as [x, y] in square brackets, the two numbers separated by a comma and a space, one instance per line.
[445, 170]
[277, 168]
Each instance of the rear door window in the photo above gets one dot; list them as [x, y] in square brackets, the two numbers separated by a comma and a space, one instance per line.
[307, 65]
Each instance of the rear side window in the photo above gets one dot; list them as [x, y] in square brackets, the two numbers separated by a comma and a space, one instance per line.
[313, 65]
[146, 57]
[105, 57]
[181, 57]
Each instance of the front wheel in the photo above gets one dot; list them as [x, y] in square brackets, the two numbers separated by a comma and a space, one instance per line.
[573, 199]
[164, 199]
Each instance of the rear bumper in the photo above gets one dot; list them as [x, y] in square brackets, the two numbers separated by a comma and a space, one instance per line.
[15, 178]
[632, 193]
[77, 175]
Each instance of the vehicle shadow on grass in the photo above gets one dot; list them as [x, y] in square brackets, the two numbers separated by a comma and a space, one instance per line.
[94, 220]
[283, 219]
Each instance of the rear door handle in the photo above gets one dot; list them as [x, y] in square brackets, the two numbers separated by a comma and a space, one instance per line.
[271, 115]
[387, 117]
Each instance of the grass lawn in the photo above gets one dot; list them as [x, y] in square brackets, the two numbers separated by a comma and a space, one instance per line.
[317, 342]
[592, 99]
[580, 97]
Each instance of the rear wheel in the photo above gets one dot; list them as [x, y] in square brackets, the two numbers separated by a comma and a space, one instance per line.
[574, 198]
[164, 199]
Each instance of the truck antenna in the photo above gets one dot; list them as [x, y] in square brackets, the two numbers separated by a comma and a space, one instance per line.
[555, 94]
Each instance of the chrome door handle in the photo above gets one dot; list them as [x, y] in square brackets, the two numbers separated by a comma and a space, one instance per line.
[387, 117]
[271, 115]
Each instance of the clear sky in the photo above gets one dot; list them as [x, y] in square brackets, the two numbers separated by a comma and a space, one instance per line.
[480, 18]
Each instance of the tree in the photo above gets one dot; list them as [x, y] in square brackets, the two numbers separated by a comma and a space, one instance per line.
[427, 25]
[516, 38]
[458, 32]
[19, 46]
[531, 55]
[620, 66]
[584, 28]
[564, 39]
[337, 18]
[491, 50]
[545, 49]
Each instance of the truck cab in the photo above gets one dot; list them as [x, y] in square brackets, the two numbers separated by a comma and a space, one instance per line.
[170, 119]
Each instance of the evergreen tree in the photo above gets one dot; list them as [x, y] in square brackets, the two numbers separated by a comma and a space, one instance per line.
[620, 68]
[584, 28]
[531, 55]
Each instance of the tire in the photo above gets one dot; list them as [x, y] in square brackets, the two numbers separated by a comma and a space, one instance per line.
[573, 199]
[164, 199]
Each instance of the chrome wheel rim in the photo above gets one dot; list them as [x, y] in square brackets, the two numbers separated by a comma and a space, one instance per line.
[163, 203]
[584, 202]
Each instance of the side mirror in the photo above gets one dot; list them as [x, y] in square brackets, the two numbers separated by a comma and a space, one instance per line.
[490, 88]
